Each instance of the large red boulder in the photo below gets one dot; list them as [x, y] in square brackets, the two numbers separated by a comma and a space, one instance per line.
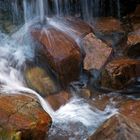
[22, 117]
[61, 53]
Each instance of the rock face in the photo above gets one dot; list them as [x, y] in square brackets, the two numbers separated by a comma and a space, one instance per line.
[61, 52]
[119, 73]
[38, 79]
[22, 118]
[97, 52]
[117, 127]
[133, 43]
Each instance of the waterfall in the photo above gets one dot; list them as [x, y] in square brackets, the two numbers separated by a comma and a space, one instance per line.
[57, 11]
[19, 47]
[41, 10]
[118, 9]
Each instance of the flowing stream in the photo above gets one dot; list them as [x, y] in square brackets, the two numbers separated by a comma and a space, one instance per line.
[17, 48]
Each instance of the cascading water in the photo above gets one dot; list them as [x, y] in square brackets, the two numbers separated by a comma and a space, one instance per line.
[19, 47]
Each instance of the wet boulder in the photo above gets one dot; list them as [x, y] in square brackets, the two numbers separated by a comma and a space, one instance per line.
[97, 53]
[74, 27]
[39, 80]
[22, 117]
[120, 73]
[118, 127]
[59, 99]
[60, 52]
[110, 30]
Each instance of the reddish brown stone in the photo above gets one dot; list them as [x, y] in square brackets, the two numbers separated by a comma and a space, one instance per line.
[117, 127]
[97, 52]
[62, 53]
[107, 25]
[21, 116]
[57, 100]
[118, 73]
[131, 109]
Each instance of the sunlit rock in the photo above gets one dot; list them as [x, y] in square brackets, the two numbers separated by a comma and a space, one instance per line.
[97, 52]
[61, 53]
[38, 79]
[21, 117]
[119, 73]
[118, 127]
